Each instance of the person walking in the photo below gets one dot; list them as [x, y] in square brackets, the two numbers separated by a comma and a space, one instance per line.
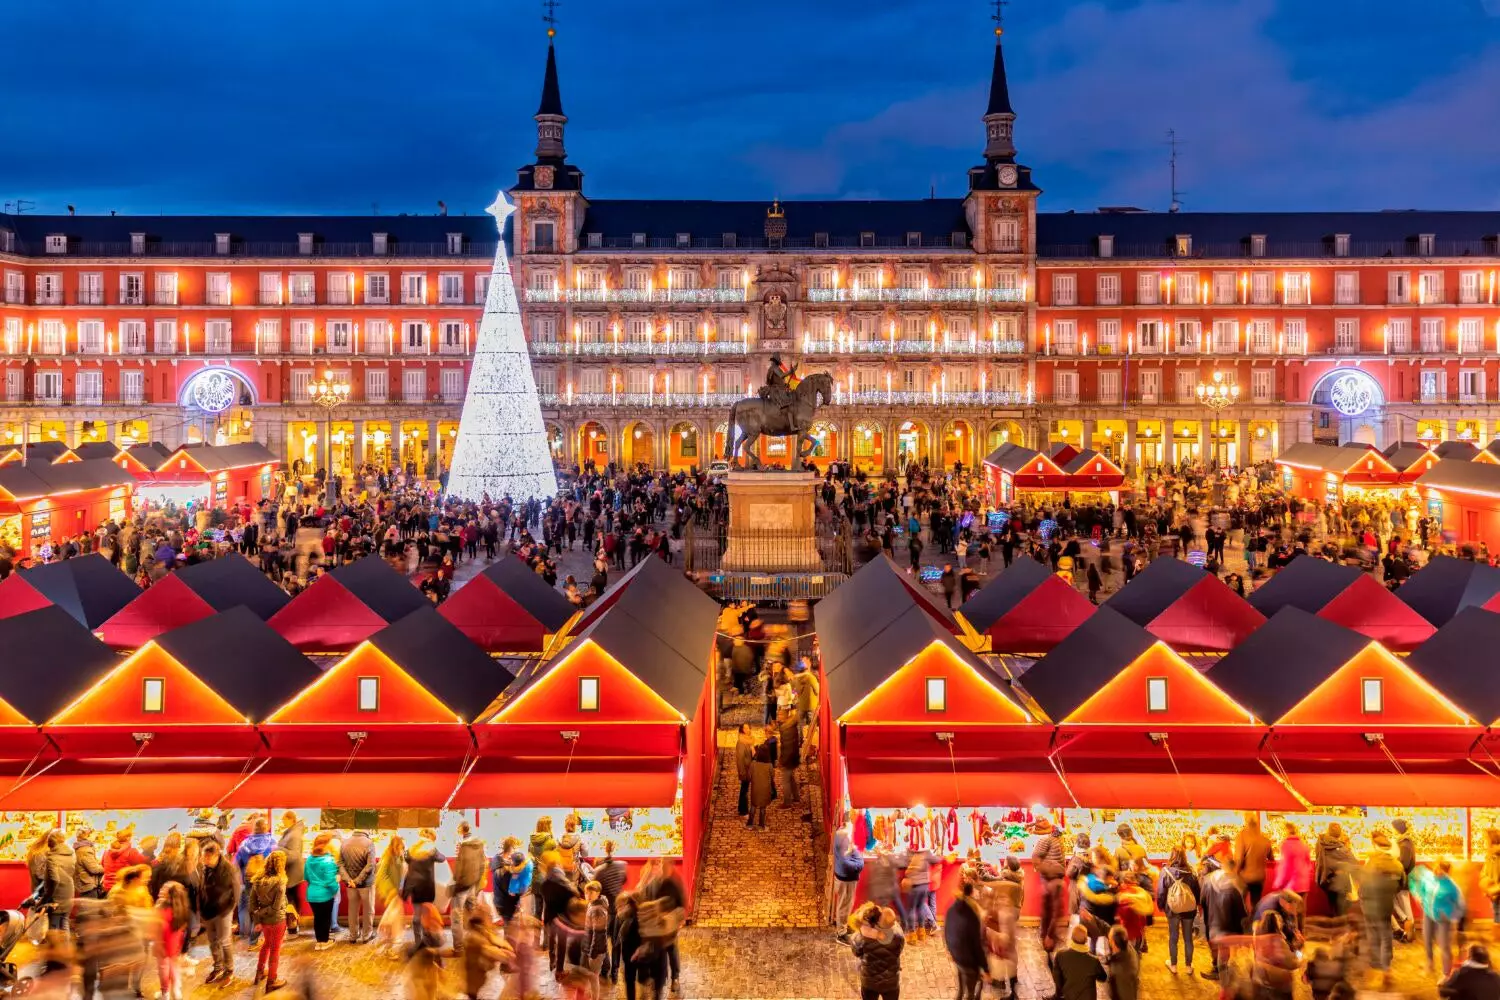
[1442, 905]
[610, 875]
[789, 757]
[1047, 862]
[1177, 896]
[963, 934]
[1380, 878]
[88, 872]
[848, 863]
[468, 879]
[258, 844]
[878, 946]
[744, 754]
[217, 886]
[762, 784]
[292, 842]
[1252, 854]
[268, 901]
[1224, 912]
[322, 874]
[357, 864]
[1076, 973]
[420, 885]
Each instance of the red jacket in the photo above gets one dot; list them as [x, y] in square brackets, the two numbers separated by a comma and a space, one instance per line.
[114, 860]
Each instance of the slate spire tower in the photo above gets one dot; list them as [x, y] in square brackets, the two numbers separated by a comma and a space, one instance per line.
[549, 114]
[999, 116]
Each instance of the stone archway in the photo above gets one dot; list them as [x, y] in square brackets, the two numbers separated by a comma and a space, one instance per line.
[867, 447]
[912, 443]
[638, 445]
[593, 444]
[825, 434]
[958, 444]
[685, 448]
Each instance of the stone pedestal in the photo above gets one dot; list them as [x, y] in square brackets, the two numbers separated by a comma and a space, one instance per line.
[771, 523]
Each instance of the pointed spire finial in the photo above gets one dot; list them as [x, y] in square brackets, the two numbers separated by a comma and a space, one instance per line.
[550, 18]
[999, 15]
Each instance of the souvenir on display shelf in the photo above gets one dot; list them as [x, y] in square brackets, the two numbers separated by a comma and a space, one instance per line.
[1157, 830]
[654, 832]
[141, 823]
[1481, 821]
[19, 829]
[994, 830]
[1435, 833]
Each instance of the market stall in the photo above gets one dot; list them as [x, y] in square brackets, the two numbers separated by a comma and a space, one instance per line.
[1013, 472]
[507, 608]
[1346, 596]
[142, 460]
[1025, 609]
[189, 594]
[1463, 498]
[1328, 474]
[37, 453]
[41, 504]
[619, 726]
[1410, 459]
[88, 588]
[211, 475]
[1490, 453]
[1446, 586]
[1187, 607]
[346, 605]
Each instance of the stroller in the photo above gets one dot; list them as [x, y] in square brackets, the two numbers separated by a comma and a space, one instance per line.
[16, 926]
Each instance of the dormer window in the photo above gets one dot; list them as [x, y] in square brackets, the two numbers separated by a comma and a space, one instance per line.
[913, 239]
[455, 242]
[958, 240]
[381, 243]
[684, 239]
[304, 243]
[137, 243]
[731, 240]
[1156, 694]
[154, 695]
[867, 240]
[57, 243]
[637, 239]
[1106, 246]
[1426, 244]
[7, 241]
[595, 240]
[369, 694]
[1341, 244]
[820, 241]
[1258, 245]
[937, 694]
[1184, 245]
[588, 694]
[1371, 695]
[221, 243]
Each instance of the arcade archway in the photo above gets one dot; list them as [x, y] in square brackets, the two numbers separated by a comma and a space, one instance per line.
[638, 445]
[867, 447]
[958, 444]
[593, 444]
[684, 449]
[825, 435]
[911, 444]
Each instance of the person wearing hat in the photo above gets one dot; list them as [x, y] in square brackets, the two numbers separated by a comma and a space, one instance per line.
[1047, 862]
[1406, 853]
[1076, 973]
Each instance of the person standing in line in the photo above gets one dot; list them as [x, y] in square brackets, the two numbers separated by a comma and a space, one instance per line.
[963, 934]
[878, 946]
[257, 844]
[789, 757]
[468, 879]
[610, 874]
[744, 753]
[848, 863]
[293, 842]
[762, 783]
[357, 871]
[1177, 896]
[322, 875]
[1047, 861]
[1076, 973]
[267, 899]
[216, 896]
[1442, 905]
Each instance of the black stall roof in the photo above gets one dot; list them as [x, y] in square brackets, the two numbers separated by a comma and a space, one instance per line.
[152, 454]
[1284, 661]
[1461, 451]
[230, 580]
[50, 659]
[44, 451]
[86, 587]
[1001, 595]
[1445, 586]
[244, 660]
[1155, 588]
[1404, 454]
[521, 584]
[854, 608]
[669, 605]
[1089, 658]
[382, 589]
[221, 457]
[1306, 583]
[91, 450]
[441, 659]
[1458, 660]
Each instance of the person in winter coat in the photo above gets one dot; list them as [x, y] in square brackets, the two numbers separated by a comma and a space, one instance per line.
[1334, 866]
[963, 933]
[878, 947]
[883, 884]
[170, 865]
[1252, 854]
[555, 892]
[468, 880]
[216, 893]
[260, 844]
[121, 854]
[1379, 881]
[510, 873]
[293, 842]
[744, 753]
[1224, 912]
[484, 950]
[789, 756]
[571, 849]
[1276, 964]
[1442, 905]
[1130, 849]
[322, 874]
[1474, 980]
[1406, 853]
[1180, 906]
[357, 864]
[88, 872]
[1076, 973]
[420, 885]
[266, 897]
[58, 876]
[1077, 866]
[762, 784]
[1124, 966]
[1002, 915]
[848, 863]
[1098, 902]
[1047, 862]
[610, 874]
[1294, 864]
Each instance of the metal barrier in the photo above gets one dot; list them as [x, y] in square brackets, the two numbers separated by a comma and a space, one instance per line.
[768, 588]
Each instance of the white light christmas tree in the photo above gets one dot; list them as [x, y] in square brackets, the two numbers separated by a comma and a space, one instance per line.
[502, 442]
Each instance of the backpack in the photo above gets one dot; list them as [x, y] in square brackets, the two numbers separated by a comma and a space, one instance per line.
[1180, 898]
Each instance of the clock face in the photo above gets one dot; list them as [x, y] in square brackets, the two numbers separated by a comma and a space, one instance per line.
[1007, 175]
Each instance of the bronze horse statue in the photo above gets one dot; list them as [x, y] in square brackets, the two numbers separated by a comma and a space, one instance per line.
[751, 417]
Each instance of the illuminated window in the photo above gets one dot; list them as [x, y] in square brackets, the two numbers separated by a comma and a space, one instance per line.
[1372, 695]
[937, 694]
[154, 694]
[1156, 694]
[588, 694]
[369, 694]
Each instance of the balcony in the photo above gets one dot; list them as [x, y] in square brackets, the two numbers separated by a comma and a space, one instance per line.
[666, 295]
[91, 297]
[967, 346]
[677, 348]
[49, 298]
[861, 397]
[208, 248]
[166, 298]
[975, 296]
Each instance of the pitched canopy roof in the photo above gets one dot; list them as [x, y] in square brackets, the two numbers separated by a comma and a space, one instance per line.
[1345, 595]
[543, 603]
[1462, 451]
[1306, 583]
[1186, 606]
[230, 580]
[1026, 608]
[242, 659]
[1327, 458]
[438, 657]
[1452, 662]
[1446, 586]
[1284, 661]
[35, 481]
[379, 587]
[86, 587]
[857, 610]
[221, 457]
[1404, 454]
[1084, 662]
[1458, 475]
[50, 658]
[90, 450]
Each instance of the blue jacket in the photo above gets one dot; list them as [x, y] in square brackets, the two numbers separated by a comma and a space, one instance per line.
[848, 862]
[257, 843]
[322, 874]
[1439, 896]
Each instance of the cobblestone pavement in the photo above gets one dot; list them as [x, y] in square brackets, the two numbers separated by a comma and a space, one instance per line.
[746, 964]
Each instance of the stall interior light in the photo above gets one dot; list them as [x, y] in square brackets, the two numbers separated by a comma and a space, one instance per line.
[154, 694]
[937, 694]
[1371, 695]
[588, 694]
[369, 694]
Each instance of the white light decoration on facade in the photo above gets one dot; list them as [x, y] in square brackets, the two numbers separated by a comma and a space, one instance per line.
[212, 390]
[502, 443]
[1352, 393]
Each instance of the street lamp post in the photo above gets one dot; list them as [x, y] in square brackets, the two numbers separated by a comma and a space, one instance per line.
[330, 393]
[1217, 393]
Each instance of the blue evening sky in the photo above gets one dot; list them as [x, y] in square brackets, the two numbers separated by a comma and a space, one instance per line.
[330, 106]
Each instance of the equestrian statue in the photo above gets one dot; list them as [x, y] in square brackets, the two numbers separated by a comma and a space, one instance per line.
[785, 407]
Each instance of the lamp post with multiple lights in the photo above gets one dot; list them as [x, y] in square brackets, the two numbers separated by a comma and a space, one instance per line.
[329, 392]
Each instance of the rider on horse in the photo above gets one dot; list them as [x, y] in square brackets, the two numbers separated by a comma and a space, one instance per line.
[781, 382]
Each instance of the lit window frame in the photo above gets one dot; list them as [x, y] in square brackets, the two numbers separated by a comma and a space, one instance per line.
[935, 694]
[1377, 686]
[159, 685]
[374, 682]
[1154, 684]
[588, 693]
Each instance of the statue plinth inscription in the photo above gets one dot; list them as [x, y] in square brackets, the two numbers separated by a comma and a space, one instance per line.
[771, 523]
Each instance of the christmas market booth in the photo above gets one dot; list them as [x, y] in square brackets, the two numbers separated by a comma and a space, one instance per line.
[923, 745]
[140, 742]
[88, 588]
[1409, 459]
[346, 605]
[41, 504]
[37, 453]
[618, 729]
[1328, 474]
[1346, 596]
[507, 608]
[1361, 737]
[1025, 610]
[142, 460]
[199, 475]
[188, 594]
[1013, 473]
[1463, 498]
[1446, 586]
[1185, 606]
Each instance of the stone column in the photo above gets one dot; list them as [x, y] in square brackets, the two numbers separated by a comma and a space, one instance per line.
[433, 449]
[1128, 460]
[1086, 436]
[359, 443]
[1246, 443]
[1205, 441]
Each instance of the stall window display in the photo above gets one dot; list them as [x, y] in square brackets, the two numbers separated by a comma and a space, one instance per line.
[1157, 830]
[994, 831]
[645, 833]
[1436, 833]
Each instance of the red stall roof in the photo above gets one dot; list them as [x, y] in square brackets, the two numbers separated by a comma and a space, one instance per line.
[1028, 467]
[211, 458]
[876, 783]
[1346, 596]
[1302, 670]
[1446, 586]
[1093, 470]
[1026, 609]
[86, 587]
[347, 605]
[636, 782]
[1409, 458]
[1341, 461]
[1187, 607]
[1454, 662]
[192, 593]
[508, 608]
[141, 460]
[1112, 672]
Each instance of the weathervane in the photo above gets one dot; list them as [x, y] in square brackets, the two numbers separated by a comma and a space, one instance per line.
[550, 17]
[999, 15]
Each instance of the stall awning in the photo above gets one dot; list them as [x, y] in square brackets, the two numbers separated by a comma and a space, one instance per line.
[361, 789]
[1153, 789]
[1456, 784]
[904, 784]
[640, 783]
[179, 790]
